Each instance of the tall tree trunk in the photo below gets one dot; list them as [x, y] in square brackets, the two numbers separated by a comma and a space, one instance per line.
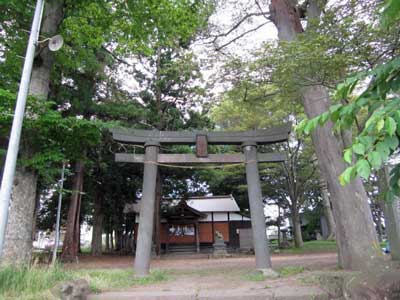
[98, 217]
[52, 18]
[298, 238]
[71, 240]
[18, 245]
[279, 225]
[107, 241]
[391, 210]
[22, 210]
[356, 235]
[118, 233]
[112, 240]
[330, 221]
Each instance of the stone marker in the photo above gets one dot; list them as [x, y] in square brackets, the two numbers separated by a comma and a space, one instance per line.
[72, 290]
[219, 246]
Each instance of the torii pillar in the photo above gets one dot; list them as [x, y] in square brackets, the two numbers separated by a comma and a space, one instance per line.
[248, 139]
[260, 242]
[147, 206]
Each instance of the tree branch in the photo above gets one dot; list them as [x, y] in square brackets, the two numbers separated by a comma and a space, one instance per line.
[240, 36]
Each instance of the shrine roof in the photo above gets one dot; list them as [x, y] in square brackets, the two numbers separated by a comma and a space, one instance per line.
[200, 204]
[214, 204]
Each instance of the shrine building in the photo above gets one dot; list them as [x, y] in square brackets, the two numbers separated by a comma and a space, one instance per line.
[189, 225]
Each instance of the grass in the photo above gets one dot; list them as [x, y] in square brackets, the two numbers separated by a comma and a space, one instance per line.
[36, 282]
[290, 271]
[312, 247]
[283, 272]
[254, 276]
[27, 283]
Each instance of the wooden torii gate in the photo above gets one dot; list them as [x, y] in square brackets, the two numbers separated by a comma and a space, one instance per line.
[152, 140]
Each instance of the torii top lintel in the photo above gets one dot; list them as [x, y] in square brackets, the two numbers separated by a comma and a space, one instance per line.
[261, 137]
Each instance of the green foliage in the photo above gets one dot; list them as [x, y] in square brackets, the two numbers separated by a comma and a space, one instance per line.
[378, 138]
[391, 12]
[171, 89]
[254, 105]
[56, 138]
[341, 42]
[375, 111]
[129, 27]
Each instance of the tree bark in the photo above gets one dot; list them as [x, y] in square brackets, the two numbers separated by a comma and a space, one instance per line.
[379, 228]
[391, 210]
[22, 211]
[71, 240]
[356, 237]
[350, 203]
[98, 217]
[298, 238]
[52, 18]
[18, 242]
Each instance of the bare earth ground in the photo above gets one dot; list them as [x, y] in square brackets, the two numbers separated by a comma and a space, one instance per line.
[315, 261]
[202, 274]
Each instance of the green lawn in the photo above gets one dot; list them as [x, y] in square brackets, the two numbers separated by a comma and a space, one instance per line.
[312, 247]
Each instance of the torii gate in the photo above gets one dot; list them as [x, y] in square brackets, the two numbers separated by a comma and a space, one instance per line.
[152, 140]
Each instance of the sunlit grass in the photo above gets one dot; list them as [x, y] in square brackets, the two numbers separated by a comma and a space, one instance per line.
[254, 276]
[25, 283]
[290, 271]
[312, 247]
[36, 282]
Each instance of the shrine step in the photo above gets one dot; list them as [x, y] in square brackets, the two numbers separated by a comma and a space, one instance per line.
[182, 249]
[188, 249]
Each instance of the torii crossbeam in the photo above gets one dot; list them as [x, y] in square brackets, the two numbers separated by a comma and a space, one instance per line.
[151, 159]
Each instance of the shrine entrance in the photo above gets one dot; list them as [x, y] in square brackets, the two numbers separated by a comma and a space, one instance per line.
[152, 140]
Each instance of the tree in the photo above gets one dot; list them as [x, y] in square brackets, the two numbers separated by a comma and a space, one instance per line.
[94, 32]
[378, 130]
[350, 203]
[292, 184]
[19, 235]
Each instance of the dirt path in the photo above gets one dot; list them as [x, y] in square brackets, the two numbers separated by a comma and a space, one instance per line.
[315, 261]
[202, 275]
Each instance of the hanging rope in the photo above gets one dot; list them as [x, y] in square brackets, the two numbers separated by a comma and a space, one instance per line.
[191, 167]
[224, 166]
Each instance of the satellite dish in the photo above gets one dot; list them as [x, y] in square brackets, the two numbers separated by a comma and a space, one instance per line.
[56, 42]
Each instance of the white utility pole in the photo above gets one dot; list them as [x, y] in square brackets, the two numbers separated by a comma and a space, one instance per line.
[60, 192]
[15, 136]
